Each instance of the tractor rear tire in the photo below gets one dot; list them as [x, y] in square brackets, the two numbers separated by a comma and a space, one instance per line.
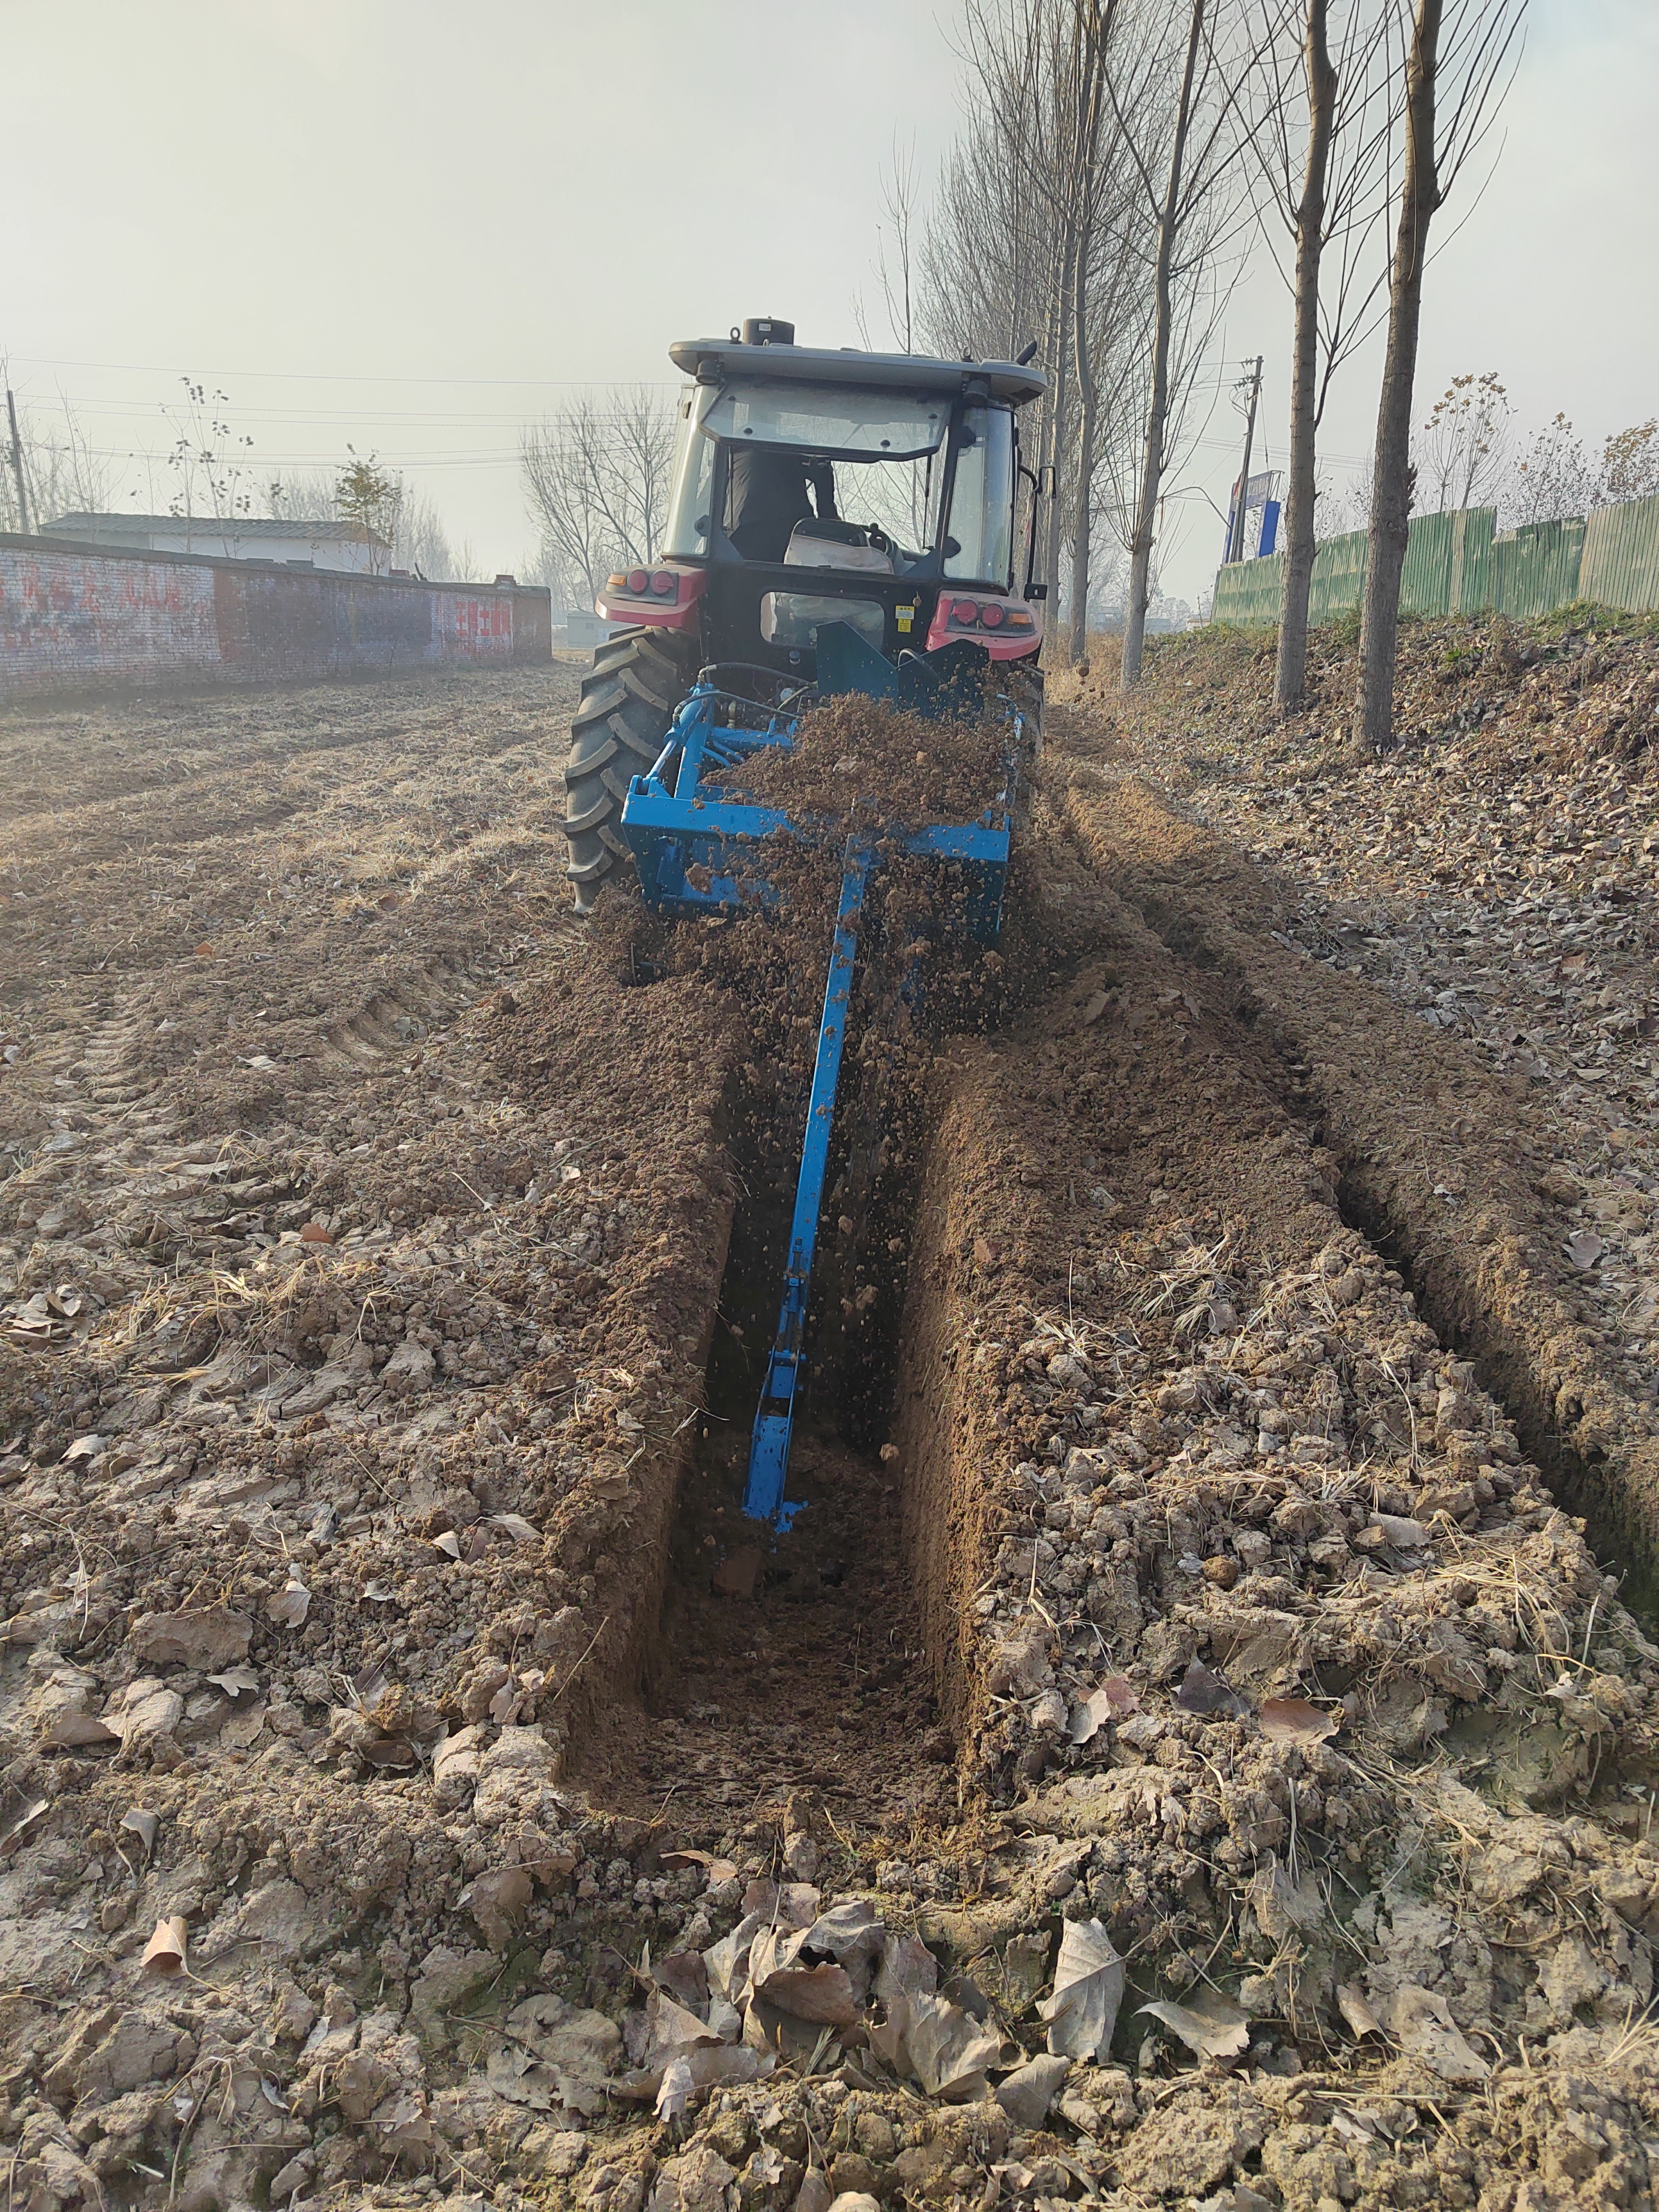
[627, 701]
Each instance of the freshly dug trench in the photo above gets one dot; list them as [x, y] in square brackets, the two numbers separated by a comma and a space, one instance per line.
[1449, 1163]
[783, 1665]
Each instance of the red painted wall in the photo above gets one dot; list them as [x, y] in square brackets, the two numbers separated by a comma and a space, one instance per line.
[73, 621]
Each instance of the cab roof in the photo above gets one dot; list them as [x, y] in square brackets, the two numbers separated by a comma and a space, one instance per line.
[714, 360]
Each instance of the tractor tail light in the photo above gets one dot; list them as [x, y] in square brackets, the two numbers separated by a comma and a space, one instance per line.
[992, 616]
[965, 611]
[638, 579]
[665, 584]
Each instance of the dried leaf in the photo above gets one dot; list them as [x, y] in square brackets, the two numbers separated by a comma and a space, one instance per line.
[684, 1977]
[1294, 1720]
[1203, 1691]
[949, 2050]
[671, 2029]
[289, 1606]
[676, 2090]
[390, 1751]
[688, 2075]
[1585, 1250]
[140, 1821]
[821, 1994]
[1351, 2002]
[1088, 1990]
[379, 1592]
[521, 1530]
[448, 1543]
[1420, 2021]
[145, 1712]
[1113, 1700]
[236, 1681]
[1210, 2026]
[18, 1828]
[164, 1954]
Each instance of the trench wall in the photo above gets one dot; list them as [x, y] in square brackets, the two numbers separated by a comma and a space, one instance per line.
[80, 619]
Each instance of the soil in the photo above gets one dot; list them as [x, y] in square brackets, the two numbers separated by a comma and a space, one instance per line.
[858, 759]
[1203, 1382]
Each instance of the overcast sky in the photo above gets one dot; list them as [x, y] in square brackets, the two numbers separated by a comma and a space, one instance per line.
[413, 226]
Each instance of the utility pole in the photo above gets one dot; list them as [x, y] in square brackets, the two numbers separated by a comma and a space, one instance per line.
[1236, 536]
[17, 465]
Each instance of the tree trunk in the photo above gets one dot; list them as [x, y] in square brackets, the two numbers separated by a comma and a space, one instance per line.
[1083, 501]
[1152, 474]
[1087, 389]
[1066, 310]
[1390, 524]
[1290, 682]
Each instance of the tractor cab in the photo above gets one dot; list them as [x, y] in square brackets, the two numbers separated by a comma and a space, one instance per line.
[810, 486]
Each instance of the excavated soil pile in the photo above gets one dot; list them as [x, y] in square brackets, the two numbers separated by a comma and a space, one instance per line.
[1183, 1753]
[1493, 877]
[858, 760]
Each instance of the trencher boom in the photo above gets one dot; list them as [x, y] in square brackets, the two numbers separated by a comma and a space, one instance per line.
[767, 598]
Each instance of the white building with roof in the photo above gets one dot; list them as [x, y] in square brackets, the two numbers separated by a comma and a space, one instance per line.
[292, 541]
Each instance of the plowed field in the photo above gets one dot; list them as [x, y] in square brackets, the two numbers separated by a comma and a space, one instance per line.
[1196, 1745]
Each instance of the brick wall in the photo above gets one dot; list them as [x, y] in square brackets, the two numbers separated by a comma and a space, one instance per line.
[101, 620]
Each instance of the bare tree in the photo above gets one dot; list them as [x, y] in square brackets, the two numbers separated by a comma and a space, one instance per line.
[62, 473]
[1630, 462]
[1464, 452]
[1552, 475]
[213, 477]
[1038, 233]
[999, 265]
[1468, 47]
[596, 480]
[1188, 159]
[299, 495]
[1096, 24]
[1325, 151]
[896, 254]
[423, 546]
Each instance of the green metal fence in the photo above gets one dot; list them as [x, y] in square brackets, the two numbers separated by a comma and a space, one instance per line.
[1461, 563]
[1620, 564]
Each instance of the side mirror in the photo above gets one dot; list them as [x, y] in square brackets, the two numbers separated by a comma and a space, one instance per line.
[1036, 590]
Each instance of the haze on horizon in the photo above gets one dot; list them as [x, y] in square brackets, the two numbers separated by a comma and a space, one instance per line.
[411, 233]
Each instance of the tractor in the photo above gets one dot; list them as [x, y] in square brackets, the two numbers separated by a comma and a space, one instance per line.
[810, 486]
[840, 522]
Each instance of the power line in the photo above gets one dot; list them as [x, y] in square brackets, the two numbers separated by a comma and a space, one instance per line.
[352, 376]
